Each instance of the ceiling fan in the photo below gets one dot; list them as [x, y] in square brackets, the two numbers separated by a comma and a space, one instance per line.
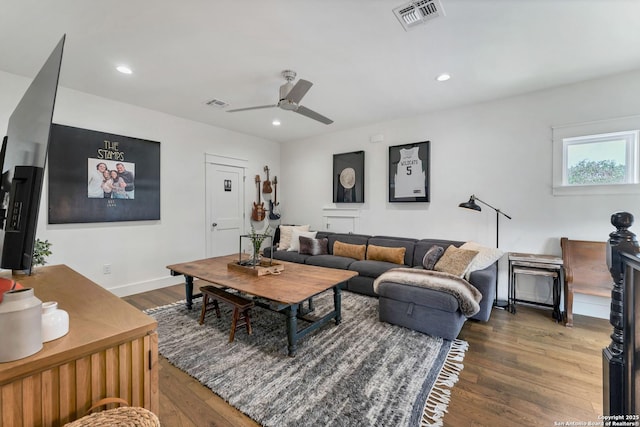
[290, 96]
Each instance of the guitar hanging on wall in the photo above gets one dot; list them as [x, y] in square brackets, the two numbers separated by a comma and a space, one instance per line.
[273, 204]
[258, 213]
[266, 186]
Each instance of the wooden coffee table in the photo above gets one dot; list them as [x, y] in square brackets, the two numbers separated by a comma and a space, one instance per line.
[284, 293]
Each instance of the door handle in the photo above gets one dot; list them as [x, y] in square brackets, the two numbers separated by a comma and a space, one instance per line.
[215, 224]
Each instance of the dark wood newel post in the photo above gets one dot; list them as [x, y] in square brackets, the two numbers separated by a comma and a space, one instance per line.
[621, 240]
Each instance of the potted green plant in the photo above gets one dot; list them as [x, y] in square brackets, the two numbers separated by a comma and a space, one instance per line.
[41, 250]
[256, 243]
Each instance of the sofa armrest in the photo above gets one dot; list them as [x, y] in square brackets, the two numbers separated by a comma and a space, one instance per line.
[485, 282]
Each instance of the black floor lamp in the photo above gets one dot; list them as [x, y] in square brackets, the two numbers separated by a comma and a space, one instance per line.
[471, 204]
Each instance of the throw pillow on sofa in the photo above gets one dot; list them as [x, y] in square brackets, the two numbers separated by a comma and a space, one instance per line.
[309, 246]
[383, 253]
[285, 235]
[432, 256]
[486, 256]
[455, 261]
[349, 251]
[295, 239]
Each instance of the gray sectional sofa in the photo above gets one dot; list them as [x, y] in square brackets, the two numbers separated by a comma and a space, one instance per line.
[425, 310]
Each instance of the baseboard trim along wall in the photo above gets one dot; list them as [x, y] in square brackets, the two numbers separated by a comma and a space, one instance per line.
[149, 285]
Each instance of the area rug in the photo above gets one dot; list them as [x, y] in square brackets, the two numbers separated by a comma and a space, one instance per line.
[362, 372]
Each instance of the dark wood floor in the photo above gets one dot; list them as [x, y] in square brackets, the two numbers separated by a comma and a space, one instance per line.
[520, 370]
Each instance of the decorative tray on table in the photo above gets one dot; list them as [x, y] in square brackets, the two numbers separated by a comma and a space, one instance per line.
[255, 265]
[261, 268]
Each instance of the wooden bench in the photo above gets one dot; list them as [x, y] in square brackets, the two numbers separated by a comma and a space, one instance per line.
[586, 272]
[240, 305]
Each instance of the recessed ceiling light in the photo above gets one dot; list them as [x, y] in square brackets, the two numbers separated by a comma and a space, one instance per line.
[443, 77]
[124, 69]
[276, 122]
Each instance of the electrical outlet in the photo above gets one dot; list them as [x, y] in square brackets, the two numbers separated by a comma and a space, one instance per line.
[106, 269]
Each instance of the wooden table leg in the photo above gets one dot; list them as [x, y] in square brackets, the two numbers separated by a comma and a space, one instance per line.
[292, 328]
[188, 289]
[337, 303]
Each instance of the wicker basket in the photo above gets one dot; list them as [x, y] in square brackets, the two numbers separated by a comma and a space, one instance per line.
[123, 416]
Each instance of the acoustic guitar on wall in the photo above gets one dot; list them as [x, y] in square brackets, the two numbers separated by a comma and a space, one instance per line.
[258, 213]
[266, 186]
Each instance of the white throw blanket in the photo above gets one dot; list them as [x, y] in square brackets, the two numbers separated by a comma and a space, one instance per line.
[467, 295]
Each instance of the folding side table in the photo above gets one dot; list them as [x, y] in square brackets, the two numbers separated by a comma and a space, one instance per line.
[536, 265]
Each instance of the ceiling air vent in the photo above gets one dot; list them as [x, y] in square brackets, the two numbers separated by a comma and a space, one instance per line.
[418, 12]
[217, 103]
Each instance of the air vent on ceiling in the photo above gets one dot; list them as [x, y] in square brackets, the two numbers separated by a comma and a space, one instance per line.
[217, 103]
[418, 12]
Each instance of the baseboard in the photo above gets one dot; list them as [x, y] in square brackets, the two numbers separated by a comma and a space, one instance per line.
[593, 306]
[148, 285]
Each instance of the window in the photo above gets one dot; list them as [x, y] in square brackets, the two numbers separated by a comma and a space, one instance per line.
[597, 158]
[603, 159]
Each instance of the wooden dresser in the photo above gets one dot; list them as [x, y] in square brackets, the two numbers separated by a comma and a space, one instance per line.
[111, 350]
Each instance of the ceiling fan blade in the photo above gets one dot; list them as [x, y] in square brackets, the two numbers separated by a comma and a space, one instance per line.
[299, 90]
[313, 115]
[251, 108]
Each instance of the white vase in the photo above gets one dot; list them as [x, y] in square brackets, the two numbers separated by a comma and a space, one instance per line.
[55, 322]
[20, 324]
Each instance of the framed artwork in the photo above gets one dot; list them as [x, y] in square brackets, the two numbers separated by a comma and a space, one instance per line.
[102, 177]
[409, 172]
[348, 177]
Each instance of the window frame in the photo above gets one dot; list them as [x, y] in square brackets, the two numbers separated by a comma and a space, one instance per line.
[630, 138]
[591, 132]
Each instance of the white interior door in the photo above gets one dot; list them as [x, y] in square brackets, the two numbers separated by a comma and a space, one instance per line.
[225, 207]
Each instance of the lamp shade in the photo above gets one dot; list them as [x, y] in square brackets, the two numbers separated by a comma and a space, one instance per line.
[471, 204]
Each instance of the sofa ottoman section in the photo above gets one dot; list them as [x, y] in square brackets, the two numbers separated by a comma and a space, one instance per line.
[483, 280]
[424, 310]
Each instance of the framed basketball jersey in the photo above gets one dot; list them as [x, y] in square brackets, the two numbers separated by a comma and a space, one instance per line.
[409, 172]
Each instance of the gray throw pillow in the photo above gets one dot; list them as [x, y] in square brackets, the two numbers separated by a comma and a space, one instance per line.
[310, 246]
[432, 256]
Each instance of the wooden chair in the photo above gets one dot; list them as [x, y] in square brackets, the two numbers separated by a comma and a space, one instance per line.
[586, 272]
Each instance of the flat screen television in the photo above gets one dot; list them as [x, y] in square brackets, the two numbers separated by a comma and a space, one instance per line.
[23, 156]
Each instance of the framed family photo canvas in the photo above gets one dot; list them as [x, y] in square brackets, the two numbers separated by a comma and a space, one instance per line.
[409, 169]
[101, 177]
[348, 177]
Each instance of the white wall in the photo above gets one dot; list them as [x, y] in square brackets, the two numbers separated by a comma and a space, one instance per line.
[500, 151]
[139, 251]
